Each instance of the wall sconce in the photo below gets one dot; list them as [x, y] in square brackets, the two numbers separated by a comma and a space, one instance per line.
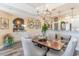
[18, 22]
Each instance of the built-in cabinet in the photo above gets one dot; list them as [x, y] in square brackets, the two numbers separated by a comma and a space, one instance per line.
[59, 24]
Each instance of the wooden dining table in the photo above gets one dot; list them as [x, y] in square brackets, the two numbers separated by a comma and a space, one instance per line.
[54, 44]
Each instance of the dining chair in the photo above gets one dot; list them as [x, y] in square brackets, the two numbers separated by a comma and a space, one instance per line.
[71, 47]
[69, 50]
[29, 49]
[50, 35]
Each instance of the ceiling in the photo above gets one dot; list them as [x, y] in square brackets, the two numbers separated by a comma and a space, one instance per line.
[30, 9]
[24, 9]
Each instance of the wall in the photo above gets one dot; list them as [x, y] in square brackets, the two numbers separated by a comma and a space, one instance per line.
[9, 30]
[33, 31]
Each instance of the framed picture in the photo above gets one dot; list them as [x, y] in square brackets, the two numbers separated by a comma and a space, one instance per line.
[34, 24]
[37, 24]
[56, 19]
[4, 23]
[30, 24]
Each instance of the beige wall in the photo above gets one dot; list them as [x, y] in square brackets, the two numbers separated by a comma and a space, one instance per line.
[9, 30]
[33, 32]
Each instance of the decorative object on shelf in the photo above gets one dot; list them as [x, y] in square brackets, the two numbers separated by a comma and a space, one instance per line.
[4, 23]
[8, 40]
[63, 25]
[44, 29]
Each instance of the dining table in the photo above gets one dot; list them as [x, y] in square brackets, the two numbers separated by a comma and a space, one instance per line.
[56, 45]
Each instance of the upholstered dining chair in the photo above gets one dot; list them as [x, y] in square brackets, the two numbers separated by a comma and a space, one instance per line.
[50, 35]
[71, 47]
[69, 51]
[29, 49]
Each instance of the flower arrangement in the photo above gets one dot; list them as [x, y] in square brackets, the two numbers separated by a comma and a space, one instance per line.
[8, 40]
[44, 29]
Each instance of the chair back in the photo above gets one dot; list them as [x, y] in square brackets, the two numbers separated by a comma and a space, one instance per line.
[29, 49]
[71, 47]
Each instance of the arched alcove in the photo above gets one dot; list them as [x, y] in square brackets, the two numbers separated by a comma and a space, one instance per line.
[18, 24]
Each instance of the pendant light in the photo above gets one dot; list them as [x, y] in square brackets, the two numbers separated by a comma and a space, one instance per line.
[72, 16]
[72, 12]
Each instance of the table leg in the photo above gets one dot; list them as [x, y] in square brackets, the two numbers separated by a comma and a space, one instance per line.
[45, 54]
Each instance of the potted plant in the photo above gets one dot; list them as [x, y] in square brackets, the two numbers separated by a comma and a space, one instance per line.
[8, 40]
[44, 29]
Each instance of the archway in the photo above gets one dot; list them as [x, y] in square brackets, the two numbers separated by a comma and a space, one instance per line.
[18, 24]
